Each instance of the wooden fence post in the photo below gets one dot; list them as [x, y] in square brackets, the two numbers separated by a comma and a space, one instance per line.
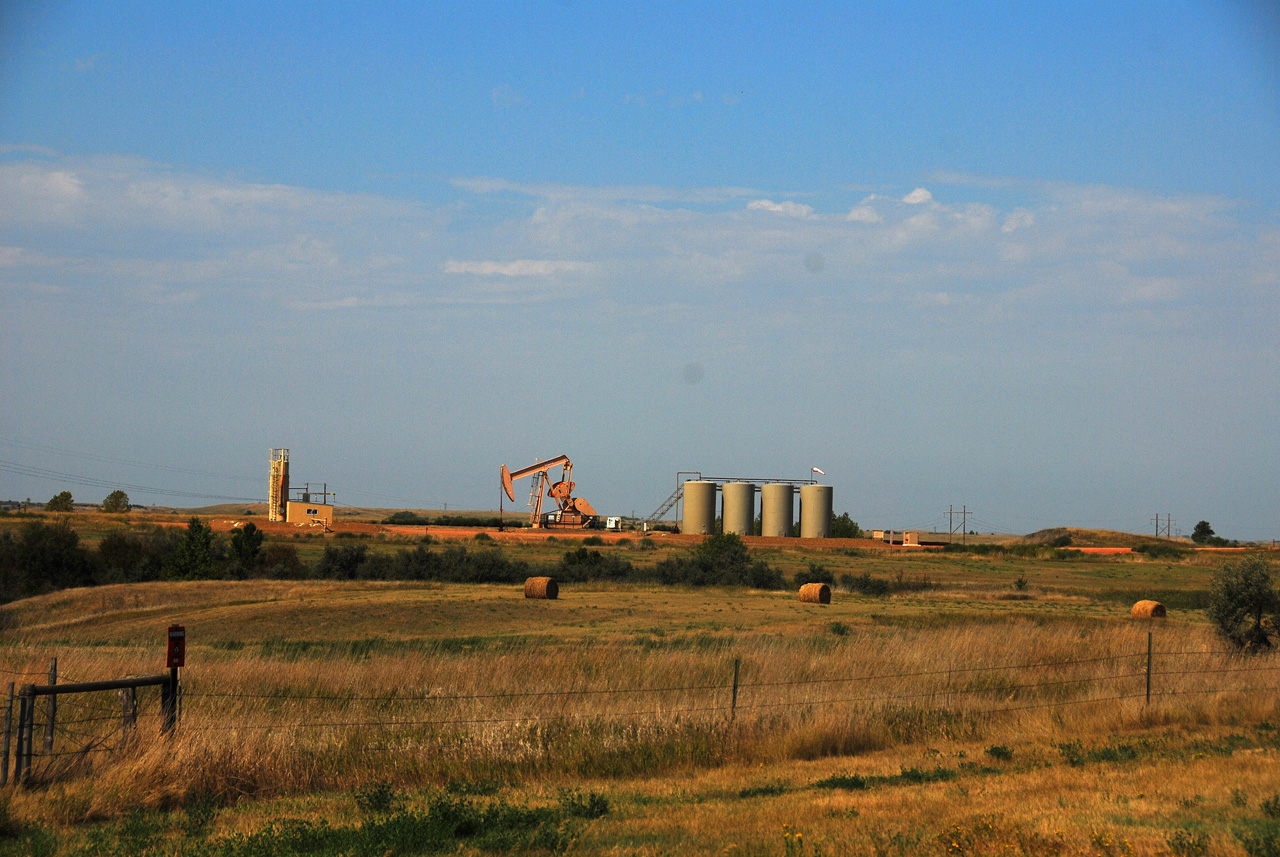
[51, 707]
[26, 701]
[1148, 668]
[128, 710]
[169, 703]
[31, 733]
[8, 736]
[733, 704]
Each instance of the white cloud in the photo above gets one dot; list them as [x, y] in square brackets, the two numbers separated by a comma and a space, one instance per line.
[518, 268]
[789, 209]
[918, 197]
[1017, 219]
[863, 214]
[145, 231]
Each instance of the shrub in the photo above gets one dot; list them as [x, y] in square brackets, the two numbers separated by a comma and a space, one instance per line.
[1244, 602]
[246, 544]
[864, 584]
[815, 573]
[194, 555]
[1188, 843]
[1160, 550]
[46, 557]
[342, 562]
[410, 518]
[583, 564]
[575, 804]
[720, 560]
[377, 798]
[593, 541]
[845, 528]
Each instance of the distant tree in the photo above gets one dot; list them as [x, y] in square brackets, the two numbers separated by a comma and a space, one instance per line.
[1202, 533]
[48, 557]
[117, 502]
[60, 503]
[845, 527]
[246, 542]
[1243, 603]
[194, 556]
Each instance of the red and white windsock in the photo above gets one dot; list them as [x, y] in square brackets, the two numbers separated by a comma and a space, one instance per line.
[819, 472]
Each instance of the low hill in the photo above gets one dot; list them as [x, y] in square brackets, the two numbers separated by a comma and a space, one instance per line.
[1084, 538]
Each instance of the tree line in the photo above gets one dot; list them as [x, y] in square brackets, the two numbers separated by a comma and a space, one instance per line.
[44, 557]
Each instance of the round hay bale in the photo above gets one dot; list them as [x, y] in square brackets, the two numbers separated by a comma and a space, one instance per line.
[815, 593]
[1148, 610]
[541, 587]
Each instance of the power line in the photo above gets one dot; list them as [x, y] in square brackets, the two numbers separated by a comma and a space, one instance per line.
[76, 479]
[106, 458]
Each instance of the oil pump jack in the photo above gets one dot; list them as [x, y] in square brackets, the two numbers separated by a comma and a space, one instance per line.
[573, 513]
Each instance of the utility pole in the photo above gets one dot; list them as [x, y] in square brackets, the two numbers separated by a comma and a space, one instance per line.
[964, 523]
[1168, 525]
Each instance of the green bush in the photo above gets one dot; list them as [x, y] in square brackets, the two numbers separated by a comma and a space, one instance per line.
[815, 573]
[864, 584]
[1160, 550]
[1244, 603]
[584, 564]
[720, 560]
[844, 527]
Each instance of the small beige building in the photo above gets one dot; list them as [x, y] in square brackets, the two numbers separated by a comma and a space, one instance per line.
[306, 512]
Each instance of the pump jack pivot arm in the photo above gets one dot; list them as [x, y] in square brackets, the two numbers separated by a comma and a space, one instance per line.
[541, 467]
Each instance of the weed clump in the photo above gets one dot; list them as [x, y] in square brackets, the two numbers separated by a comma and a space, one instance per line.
[376, 799]
[1000, 753]
[1184, 842]
[763, 790]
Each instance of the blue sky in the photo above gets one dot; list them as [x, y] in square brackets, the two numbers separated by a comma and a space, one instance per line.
[1014, 256]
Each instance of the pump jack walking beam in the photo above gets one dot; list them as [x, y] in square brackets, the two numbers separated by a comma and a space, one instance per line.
[574, 512]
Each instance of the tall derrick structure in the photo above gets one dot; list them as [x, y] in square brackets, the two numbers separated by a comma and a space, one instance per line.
[278, 490]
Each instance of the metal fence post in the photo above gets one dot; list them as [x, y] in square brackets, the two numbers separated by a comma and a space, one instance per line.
[51, 707]
[8, 736]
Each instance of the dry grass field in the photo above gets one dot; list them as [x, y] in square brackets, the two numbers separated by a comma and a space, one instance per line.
[1000, 710]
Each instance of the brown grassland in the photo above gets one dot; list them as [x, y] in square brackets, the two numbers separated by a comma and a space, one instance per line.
[1002, 709]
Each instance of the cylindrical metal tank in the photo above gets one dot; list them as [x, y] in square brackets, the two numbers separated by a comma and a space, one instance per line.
[777, 512]
[815, 511]
[739, 508]
[699, 508]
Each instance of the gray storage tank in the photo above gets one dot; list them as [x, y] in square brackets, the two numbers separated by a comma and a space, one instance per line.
[739, 508]
[815, 511]
[699, 508]
[777, 512]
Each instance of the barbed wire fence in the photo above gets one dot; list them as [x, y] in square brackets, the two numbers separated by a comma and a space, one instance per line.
[104, 722]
